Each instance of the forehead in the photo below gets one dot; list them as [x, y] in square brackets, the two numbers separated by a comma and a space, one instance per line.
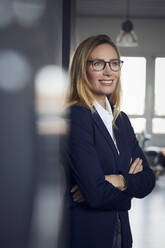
[103, 51]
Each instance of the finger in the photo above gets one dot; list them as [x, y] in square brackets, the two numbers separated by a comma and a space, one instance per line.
[133, 165]
[141, 168]
[138, 167]
[82, 200]
[77, 193]
[78, 197]
[74, 188]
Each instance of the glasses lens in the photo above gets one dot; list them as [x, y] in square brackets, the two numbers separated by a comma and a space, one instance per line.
[98, 65]
[116, 65]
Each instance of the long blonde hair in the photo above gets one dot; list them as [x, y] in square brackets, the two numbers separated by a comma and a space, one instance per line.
[80, 88]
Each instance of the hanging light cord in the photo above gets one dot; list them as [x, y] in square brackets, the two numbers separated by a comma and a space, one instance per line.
[128, 9]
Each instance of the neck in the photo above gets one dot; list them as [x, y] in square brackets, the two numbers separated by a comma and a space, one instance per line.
[101, 101]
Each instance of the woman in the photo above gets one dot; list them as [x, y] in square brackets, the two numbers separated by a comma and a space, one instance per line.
[106, 165]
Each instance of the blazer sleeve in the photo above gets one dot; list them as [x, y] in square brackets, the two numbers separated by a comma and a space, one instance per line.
[85, 164]
[141, 184]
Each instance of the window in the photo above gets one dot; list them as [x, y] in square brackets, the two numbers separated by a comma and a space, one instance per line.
[138, 124]
[158, 124]
[133, 81]
[159, 86]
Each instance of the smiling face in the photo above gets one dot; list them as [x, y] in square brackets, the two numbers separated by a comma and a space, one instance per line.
[103, 82]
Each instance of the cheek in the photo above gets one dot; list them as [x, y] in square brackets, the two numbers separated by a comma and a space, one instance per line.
[116, 75]
[92, 77]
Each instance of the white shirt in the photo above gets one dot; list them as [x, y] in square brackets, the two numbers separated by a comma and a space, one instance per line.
[106, 116]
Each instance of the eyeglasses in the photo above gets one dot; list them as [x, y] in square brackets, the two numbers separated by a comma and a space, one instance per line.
[99, 64]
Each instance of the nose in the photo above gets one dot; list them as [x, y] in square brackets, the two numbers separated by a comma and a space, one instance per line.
[107, 70]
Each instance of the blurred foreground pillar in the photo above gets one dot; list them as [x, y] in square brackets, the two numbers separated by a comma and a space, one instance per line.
[17, 167]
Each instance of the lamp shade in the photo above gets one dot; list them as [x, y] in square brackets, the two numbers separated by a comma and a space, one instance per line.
[127, 36]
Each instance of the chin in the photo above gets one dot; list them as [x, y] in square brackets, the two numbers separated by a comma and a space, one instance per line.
[109, 92]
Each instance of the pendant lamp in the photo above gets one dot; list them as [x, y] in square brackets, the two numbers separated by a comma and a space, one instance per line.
[127, 36]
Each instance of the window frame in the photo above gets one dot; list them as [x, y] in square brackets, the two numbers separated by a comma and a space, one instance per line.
[156, 116]
[157, 139]
[136, 116]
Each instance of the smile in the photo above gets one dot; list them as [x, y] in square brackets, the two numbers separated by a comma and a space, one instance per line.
[107, 82]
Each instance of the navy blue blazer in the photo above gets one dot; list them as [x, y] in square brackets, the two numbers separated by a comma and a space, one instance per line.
[91, 154]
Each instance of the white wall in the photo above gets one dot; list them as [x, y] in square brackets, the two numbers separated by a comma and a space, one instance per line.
[151, 33]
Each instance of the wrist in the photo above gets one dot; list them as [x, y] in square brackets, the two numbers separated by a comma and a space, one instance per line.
[123, 185]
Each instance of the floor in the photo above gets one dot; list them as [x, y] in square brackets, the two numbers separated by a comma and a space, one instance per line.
[147, 218]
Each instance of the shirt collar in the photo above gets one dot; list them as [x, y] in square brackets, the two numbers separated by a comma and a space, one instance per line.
[108, 106]
[99, 108]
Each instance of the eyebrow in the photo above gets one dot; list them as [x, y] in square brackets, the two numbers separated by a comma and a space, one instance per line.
[102, 59]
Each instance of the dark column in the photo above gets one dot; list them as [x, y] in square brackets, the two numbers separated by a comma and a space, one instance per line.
[68, 32]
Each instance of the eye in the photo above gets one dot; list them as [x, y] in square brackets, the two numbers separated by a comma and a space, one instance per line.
[115, 63]
[97, 63]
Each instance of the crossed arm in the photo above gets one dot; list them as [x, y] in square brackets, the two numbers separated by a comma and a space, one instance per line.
[117, 181]
[99, 190]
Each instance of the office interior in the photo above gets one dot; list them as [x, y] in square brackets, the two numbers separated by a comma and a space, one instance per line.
[38, 39]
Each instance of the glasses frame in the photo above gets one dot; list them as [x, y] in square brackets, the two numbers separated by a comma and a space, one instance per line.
[106, 62]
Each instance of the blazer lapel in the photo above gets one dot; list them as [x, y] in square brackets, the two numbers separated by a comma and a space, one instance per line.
[118, 135]
[105, 132]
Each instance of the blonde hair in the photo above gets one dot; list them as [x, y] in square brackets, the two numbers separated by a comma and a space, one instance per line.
[80, 88]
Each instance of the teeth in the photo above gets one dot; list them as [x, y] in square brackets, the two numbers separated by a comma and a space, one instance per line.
[107, 82]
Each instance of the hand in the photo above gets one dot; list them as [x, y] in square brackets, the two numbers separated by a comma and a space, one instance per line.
[77, 196]
[136, 166]
[116, 180]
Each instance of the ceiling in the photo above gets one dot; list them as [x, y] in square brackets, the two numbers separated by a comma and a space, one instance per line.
[118, 8]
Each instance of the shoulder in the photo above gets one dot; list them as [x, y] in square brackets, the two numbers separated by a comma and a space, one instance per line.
[127, 123]
[123, 121]
[122, 117]
[80, 115]
[76, 109]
